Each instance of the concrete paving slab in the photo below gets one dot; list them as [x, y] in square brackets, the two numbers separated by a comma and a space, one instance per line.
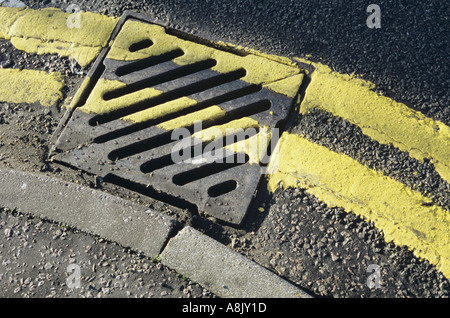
[86, 209]
[222, 270]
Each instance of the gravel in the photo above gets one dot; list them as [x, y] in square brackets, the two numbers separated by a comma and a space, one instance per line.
[329, 251]
[10, 57]
[35, 256]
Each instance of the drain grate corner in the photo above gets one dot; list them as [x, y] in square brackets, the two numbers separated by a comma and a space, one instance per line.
[184, 115]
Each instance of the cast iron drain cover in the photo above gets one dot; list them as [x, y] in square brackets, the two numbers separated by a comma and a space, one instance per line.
[156, 92]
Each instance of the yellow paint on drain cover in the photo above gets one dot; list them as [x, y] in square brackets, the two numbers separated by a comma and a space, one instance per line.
[273, 74]
[95, 104]
[277, 74]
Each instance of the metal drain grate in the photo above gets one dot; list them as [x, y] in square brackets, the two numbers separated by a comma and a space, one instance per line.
[153, 81]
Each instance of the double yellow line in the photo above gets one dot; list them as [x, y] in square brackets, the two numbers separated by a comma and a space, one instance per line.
[46, 31]
[405, 216]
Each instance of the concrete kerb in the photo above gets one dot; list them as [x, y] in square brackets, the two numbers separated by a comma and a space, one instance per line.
[88, 210]
[222, 270]
[209, 263]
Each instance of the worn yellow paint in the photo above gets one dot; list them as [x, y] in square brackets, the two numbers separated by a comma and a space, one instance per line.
[218, 131]
[30, 86]
[46, 31]
[405, 216]
[379, 117]
[204, 115]
[161, 110]
[289, 86]
[82, 54]
[255, 146]
[279, 77]
[95, 103]
[7, 17]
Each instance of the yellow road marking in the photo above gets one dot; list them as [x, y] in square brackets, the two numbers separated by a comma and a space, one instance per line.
[379, 117]
[405, 216]
[30, 86]
[46, 31]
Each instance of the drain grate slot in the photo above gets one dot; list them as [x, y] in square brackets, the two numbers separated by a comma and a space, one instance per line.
[222, 188]
[124, 126]
[146, 43]
[169, 96]
[209, 169]
[157, 164]
[160, 79]
[140, 65]
[251, 109]
[141, 146]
